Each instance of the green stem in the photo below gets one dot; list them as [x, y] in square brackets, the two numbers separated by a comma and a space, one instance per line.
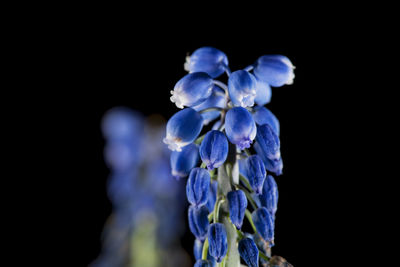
[199, 140]
[246, 182]
[262, 255]
[210, 216]
[210, 109]
[250, 219]
[203, 165]
[240, 234]
[205, 250]
[216, 209]
[249, 197]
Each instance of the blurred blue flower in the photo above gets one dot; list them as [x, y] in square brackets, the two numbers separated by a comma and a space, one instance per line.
[276, 70]
[192, 89]
[121, 123]
[184, 161]
[120, 155]
[240, 127]
[183, 128]
[209, 60]
[214, 149]
[242, 87]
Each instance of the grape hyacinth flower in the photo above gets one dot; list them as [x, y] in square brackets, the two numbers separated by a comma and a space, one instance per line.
[212, 195]
[267, 142]
[262, 115]
[248, 251]
[274, 166]
[240, 127]
[229, 175]
[264, 223]
[184, 161]
[237, 206]
[217, 241]
[255, 172]
[198, 221]
[214, 149]
[276, 70]
[269, 196]
[192, 89]
[209, 60]
[183, 128]
[242, 88]
[197, 187]
[263, 93]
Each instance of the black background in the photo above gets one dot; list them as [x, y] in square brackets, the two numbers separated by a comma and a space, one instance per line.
[96, 64]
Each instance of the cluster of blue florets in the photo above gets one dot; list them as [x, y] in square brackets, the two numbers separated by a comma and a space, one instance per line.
[229, 176]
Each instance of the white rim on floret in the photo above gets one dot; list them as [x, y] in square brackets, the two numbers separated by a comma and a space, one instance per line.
[291, 74]
[178, 99]
[174, 143]
[186, 66]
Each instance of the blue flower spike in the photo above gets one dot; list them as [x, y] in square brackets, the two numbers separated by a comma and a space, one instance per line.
[184, 161]
[242, 87]
[255, 172]
[240, 127]
[236, 119]
[214, 149]
[183, 128]
[267, 142]
[248, 251]
[269, 196]
[197, 187]
[264, 223]
[218, 243]
[207, 59]
[237, 206]
[276, 70]
[262, 115]
[198, 222]
[192, 89]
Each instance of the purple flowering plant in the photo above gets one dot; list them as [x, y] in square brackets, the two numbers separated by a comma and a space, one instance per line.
[230, 168]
